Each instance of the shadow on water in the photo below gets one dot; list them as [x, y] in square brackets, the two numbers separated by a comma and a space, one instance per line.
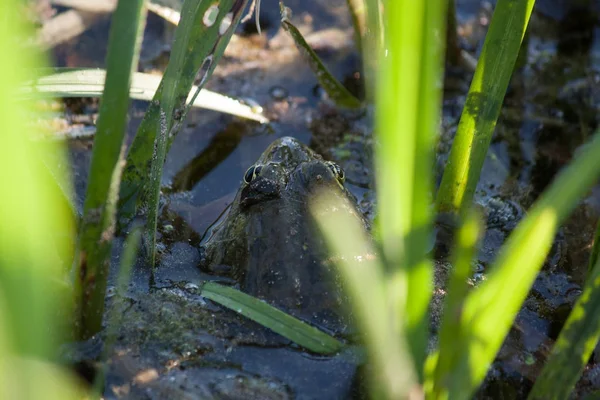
[219, 148]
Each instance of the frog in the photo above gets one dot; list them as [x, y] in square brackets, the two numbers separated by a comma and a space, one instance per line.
[267, 241]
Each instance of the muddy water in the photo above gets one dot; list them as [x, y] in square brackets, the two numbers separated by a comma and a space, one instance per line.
[174, 343]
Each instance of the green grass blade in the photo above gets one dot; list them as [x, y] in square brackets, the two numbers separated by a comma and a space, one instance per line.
[393, 373]
[168, 103]
[490, 309]
[372, 46]
[114, 318]
[284, 324]
[407, 116]
[90, 83]
[35, 230]
[574, 345]
[482, 107]
[153, 195]
[37, 227]
[336, 91]
[450, 332]
[200, 40]
[98, 221]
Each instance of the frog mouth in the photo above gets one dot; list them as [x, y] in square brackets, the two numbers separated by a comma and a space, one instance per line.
[258, 191]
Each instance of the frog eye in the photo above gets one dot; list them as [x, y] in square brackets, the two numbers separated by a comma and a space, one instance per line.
[252, 173]
[337, 171]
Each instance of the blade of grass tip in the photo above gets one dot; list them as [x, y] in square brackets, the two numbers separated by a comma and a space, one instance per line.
[574, 345]
[34, 216]
[200, 40]
[450, 348]
[128, 256]
[284, 324]
[393, 372]
[334, 89]
[482, 107]
[490, 309]
[97, 228]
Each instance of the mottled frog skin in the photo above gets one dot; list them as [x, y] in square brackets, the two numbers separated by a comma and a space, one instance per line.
[268, 242]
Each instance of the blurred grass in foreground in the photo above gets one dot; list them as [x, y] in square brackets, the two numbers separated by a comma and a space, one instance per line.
[478, 320]
[390, 295]
[36, 235]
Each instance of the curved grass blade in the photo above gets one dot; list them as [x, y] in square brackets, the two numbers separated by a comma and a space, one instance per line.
[482, 107]
[336, 91]
[97, 228]
[491, 308]
[90, 83]
[284, 324]
[200, 40]
[574, 345]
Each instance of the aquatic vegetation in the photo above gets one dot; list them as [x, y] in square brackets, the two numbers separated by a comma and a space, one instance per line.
[98, 223]
[391, 294]
[36, 229]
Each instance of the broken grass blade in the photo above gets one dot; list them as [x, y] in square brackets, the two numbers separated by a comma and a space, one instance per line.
[284, 324]
[334, 89]
[90, 83]
[491, 308]
[574, 345]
